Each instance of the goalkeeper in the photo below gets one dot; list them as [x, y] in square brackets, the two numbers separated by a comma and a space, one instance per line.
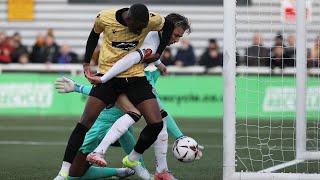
[105, 120]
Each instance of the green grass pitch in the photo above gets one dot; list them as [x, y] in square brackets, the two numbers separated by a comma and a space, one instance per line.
[32, 148]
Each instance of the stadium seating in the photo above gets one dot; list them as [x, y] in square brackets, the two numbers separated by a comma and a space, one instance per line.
[72, 22]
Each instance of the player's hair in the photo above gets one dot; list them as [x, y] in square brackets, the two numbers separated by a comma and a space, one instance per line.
[180, 21]
[139, 12]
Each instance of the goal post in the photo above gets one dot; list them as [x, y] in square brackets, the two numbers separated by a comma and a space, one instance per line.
[276, 142]
[229, 95]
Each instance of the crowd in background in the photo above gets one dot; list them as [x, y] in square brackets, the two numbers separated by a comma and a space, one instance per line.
[46, 50]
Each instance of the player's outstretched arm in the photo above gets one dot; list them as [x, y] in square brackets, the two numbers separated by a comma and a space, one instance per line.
[66, 85]
[125, 63]
[120, 66]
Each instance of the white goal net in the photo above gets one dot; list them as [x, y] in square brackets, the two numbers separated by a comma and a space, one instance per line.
[276, 113]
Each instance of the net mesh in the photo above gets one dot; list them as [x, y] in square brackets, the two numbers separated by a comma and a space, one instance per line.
[266, 85]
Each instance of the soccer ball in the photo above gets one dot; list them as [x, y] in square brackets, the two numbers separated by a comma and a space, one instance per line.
[185, 149]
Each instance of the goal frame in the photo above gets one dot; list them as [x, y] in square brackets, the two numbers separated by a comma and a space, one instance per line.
[229, 102]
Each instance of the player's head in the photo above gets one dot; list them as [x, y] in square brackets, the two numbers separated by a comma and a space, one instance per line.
[181, 24]
[137, 18]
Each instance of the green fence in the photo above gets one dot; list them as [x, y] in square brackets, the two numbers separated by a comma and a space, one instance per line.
[183, 96]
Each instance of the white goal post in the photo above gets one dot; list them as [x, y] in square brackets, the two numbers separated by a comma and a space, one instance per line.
[300, 150]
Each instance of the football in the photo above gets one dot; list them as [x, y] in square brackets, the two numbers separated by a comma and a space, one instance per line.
[185, 149]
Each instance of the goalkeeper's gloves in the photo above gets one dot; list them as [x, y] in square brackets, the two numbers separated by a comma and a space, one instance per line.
[66, 85]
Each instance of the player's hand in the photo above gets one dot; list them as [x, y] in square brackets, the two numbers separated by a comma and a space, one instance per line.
[64, 85]
[151, 58]
[94, 79]
[86, 69]
[163, 69]
[199, 155]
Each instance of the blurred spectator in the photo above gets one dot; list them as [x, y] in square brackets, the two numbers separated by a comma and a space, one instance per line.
[37, 49]
[3, 37]
[6, 50]
[314, 60]
[279, 57]
[316, 49]
[212, 56]
[167, 58]
[50, 32]
[23, 59]
[50, 51]
[20, 49]
[185, 55]
[278, 40]
[67, 56]
[290, 51]
[257, 54]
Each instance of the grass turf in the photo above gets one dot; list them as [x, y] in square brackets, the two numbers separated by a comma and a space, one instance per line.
[33, 148]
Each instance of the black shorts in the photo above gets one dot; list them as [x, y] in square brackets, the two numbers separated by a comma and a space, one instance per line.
[138, 89]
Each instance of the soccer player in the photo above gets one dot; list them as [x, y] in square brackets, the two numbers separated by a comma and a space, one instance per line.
[106, 118]
[124, 31]
[151, 42]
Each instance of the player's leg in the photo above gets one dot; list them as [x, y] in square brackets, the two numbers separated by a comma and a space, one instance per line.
[140, 94]
[172, 126]
[92, 109]
[92, 172]
[80, 165]
[127, 142]
[150, 110]
[161, 147]
[98, 173]
[96, 102]
[161, 144]
[147, 137]
[118, 128]
[80, 168]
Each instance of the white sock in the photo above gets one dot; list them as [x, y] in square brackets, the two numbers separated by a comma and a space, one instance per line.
[116, 131]
[161, 148]
[122, 65]
[65, 167]
[134, 156]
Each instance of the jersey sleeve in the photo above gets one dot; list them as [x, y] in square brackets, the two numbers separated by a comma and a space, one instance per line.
[152, 41]
[156, 21]
[100, 22]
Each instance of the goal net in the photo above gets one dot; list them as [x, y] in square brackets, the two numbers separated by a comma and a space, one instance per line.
[272, 95]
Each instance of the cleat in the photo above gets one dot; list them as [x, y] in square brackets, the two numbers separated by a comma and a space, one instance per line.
[97, 158]
[125, 172]
[137, 167]
[166, 175]
[61, 176]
